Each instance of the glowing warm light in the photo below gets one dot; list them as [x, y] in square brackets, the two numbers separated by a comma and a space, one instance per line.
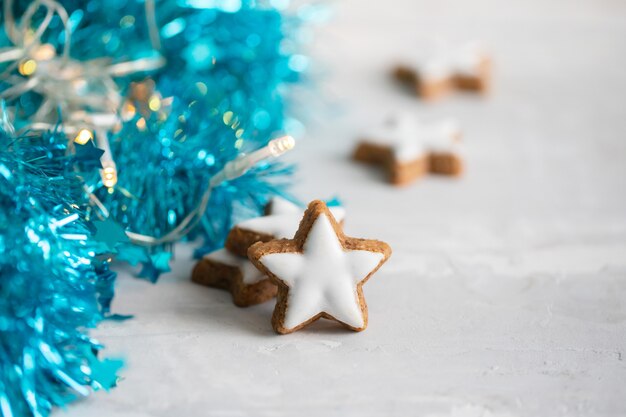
[239, 166]
[83, 136]
[281, 145]
[141, 124]
[45, 52]
[154, 103]
[27, 67]
[109, 176]
[128, 111]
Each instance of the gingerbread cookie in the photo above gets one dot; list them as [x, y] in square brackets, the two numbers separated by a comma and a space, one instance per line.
[443, 69]
[281, 221]
[320, 272]
[408, 149]
[222, 269]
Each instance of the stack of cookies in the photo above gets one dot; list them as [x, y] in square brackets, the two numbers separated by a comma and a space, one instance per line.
[229, 268]
[304, 259]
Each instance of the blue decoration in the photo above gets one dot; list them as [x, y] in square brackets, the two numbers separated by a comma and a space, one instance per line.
[53, 284]
[109, 234]
[171, 90]
[88, 155]
[221, 93]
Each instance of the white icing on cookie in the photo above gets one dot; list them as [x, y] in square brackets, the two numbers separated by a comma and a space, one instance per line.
[284, 224]
[250, 275]
[442, 61]
[398, 132]
[323, 278]
[279, 205]
[410, 140]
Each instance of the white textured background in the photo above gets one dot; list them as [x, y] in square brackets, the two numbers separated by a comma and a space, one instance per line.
[506, 293]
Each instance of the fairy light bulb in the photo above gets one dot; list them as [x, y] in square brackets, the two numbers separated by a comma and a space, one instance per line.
[109, 176]
[232, 169]
[281, 145]
[274, 148]
[44, 52]
[83, 136]
[108, 173]
[239, 166]
[154, 103]
[27, 67]
[128, 111]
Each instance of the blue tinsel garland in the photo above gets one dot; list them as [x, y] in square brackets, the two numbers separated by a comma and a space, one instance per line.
[220, 94]
[53, 284]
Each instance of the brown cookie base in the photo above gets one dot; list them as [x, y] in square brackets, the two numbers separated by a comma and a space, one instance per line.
[398, 173]
[371, 153]
[480, 83]
[426, 89]
[239, 240]
[445, 164]
[215, 274]
[403, 173]
[434, 89]
[315, 209]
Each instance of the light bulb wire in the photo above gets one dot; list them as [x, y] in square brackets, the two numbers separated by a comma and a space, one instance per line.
[231, 170]
[55, 83]
[78, 118]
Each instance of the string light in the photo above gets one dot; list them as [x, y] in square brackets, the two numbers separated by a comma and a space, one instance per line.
[154, 103]
[108, 173]
[90, 96]
[91, 105]
[83, 136]
[233, 169]
[238, 167]
[128, 111]
[109, 176]
[44, 52]
[27, 67]
[141, 124]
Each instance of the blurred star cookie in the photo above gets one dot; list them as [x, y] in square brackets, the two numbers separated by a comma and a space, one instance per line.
[408, 149]
[438, 69]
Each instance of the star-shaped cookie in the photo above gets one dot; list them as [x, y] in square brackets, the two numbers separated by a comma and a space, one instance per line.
[281, 221]
[408, 149]
[438, 68]
[319, 273]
